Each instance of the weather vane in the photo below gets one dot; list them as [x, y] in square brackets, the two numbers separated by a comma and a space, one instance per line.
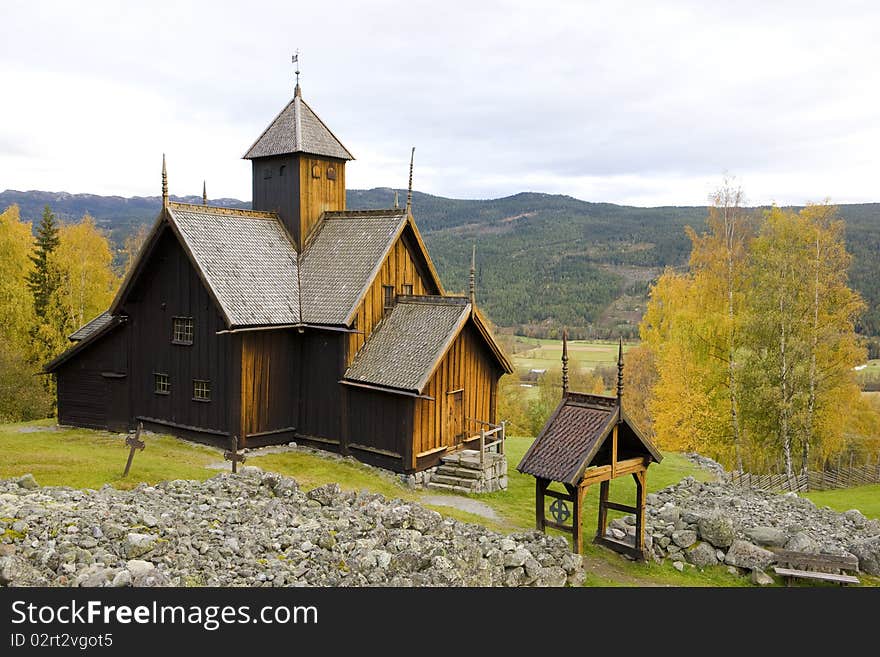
[295, 60]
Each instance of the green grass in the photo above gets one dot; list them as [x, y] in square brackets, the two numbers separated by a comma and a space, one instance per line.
[542, 354]
[88, 459]
[864, 498]
[82, 458]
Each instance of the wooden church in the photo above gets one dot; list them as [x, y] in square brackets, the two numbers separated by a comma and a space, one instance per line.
[298, 320]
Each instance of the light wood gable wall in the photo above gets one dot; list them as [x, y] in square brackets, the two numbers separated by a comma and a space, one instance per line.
[400, 267]
[469, 367]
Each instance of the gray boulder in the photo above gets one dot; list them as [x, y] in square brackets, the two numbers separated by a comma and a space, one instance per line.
[743, 554]
[717, 529]
[702, 555]
[760, 578]
[684, 538]
[855, 517]
[137, 545]
[768, 536]
[27, 481]
[802, 542]
[868, 552]
[669, 514]
[325, 495]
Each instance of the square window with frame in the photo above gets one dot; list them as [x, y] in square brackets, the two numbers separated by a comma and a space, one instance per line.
[407, 289]
[201, 390]
[387, 297]
[161, 384]
[182, 330]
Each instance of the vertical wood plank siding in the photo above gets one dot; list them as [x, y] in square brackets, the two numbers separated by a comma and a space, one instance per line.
[317, 195]
[278, 192]
[399, 268]
[88, 399]
[269, 381]
[469, 365]
[170, 287]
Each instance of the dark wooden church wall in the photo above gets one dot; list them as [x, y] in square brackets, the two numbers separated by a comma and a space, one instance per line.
[322, 361]
[170, 287]
[276, 189]
[380, 427]
[93, 385]
[269, 386]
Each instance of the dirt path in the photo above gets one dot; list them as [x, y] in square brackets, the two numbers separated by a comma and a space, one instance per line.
[462, 504]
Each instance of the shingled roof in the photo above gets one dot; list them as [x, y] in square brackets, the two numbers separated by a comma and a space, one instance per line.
[405, 348]
[91, 327]
[340, 261]
[297, 129]
[247, 260]
[573, 435]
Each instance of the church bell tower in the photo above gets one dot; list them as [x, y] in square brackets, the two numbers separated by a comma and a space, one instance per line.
[298, 169]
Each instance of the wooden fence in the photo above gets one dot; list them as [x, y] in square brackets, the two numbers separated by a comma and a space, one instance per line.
[845, 477]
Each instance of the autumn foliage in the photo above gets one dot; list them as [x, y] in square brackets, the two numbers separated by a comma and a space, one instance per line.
[753, 347]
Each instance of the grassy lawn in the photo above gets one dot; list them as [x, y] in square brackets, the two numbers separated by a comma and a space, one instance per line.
[586, 354]
[864, 498]
[89, 459]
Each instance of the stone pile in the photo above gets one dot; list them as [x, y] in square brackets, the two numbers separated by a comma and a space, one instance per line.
[257, 529]
[704, 524]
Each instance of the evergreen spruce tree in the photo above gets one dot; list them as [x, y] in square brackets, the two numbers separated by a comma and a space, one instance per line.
[42, 282]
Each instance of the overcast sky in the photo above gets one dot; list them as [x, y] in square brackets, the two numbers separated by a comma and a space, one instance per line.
[642, 103]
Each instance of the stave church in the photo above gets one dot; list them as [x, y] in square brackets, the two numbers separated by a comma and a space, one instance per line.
[298, 320]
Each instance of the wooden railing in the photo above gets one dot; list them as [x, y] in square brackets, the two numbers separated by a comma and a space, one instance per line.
[845, 477]
[491, 435]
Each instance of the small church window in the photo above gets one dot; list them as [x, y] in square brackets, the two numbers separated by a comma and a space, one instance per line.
[387, 296]
[182, 330]
[201, 390]
[281, 169]
[161, 384]
[267, 172]
[316, 171]
[331, 172]
[407, 288]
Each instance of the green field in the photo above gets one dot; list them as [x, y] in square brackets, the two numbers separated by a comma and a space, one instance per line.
[533, 353]
[864, 498]
[90, 459]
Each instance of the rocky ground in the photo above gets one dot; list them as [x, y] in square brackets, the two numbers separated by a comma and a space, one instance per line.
[256, 529]
[704, 524]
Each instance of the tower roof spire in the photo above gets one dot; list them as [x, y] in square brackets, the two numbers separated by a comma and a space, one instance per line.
[204, 193]
[295, 60]
[412, 156]
[164, 183]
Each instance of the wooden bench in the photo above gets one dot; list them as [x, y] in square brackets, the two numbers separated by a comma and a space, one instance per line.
[823, 567]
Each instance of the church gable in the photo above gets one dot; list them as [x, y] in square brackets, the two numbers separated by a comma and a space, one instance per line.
[244, 259]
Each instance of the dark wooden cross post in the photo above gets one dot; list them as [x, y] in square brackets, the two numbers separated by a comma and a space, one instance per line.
[134, 442]
[233, 455]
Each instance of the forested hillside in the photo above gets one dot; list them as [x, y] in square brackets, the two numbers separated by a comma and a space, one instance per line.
[543, 260]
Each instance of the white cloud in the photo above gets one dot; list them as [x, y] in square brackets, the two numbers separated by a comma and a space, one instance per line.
[643, 102]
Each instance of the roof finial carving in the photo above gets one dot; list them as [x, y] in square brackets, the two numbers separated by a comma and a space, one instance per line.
[472, 279]
[409, 189]
[564, 362]
[620, 373]
[164, 183]
[204, 193]
[396, 200]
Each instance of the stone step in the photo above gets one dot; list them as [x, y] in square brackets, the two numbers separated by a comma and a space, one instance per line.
[455, 489]
[456, 471]
[454, 481]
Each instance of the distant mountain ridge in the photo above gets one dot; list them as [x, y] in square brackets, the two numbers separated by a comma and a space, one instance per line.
[544, 260]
